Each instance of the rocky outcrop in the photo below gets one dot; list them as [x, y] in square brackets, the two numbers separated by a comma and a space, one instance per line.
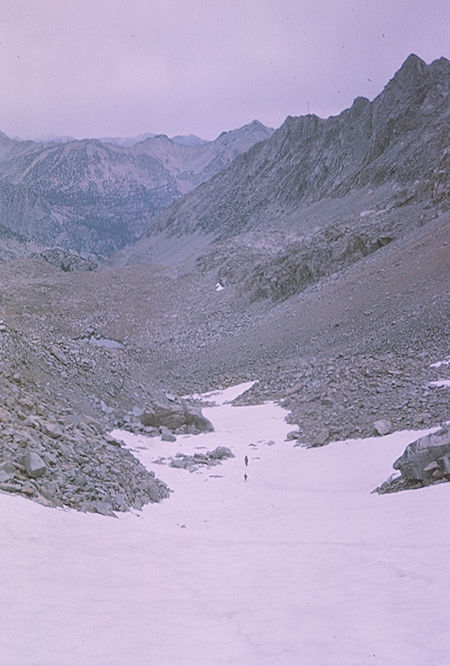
[176, 415]
[67, 461]
[424, 462]
[426, 458]
[301, 263]
[54, 452]
[67, 260]
[194, 462]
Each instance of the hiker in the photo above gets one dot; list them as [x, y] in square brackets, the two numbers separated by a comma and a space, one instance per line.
[246, 461]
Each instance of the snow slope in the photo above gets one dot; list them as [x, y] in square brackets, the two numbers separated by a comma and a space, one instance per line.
[299, 565]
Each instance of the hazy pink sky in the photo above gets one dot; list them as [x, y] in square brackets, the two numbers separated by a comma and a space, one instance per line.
[122, 67]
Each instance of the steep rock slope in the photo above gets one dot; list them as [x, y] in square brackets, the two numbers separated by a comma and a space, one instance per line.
[93, 196]
[323, 193]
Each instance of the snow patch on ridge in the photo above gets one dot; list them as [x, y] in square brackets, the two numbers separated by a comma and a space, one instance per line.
[441, 383]
[439, 364]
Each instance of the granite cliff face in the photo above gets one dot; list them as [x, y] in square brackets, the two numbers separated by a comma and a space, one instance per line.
[96, 197]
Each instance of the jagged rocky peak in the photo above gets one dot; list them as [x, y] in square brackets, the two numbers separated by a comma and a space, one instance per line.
[254, 127]
[413, 75]
[360, 104]
[369, 160]
[412, 69]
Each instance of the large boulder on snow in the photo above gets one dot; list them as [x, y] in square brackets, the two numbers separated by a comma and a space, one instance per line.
[416, 463]
[176, 415]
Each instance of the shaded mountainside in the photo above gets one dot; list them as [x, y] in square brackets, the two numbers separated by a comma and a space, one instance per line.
[319, 194]
[96, 197]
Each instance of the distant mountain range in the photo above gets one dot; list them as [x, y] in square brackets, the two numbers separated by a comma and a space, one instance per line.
[96, 196]
[127, 141]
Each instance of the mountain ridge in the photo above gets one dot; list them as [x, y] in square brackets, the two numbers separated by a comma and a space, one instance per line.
[96, 196]
[380, 155]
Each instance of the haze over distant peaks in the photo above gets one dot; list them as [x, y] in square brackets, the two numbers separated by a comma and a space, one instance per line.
[97, 195]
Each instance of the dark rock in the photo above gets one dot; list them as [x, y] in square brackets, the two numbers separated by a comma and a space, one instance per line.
[321, 437]
[7, 470]
[191, 463]
[221, 452]
[68, 260]
[175, 415]
[445, 463]
[419, 454]
[104, 508]
[34, 465]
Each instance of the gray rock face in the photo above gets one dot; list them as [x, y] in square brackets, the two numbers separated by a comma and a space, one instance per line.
[424, 456]
[56, 457]
[34, 465]
[68, 260]
[382, 427]
[194, 462]
[166, 435]
[279, 183]
[6, 471]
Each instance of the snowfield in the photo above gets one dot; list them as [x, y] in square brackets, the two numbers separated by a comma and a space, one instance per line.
[300, 565]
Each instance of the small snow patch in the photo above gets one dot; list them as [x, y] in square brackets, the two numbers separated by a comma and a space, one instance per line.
[219, 287]
[439, 364]
[105, 342]
[440, 383]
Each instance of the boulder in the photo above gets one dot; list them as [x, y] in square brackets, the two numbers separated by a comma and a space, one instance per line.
[166, 435]
[175, 415]
[445, 464]
[221, 452]
[382, 427]
[51, 429]
[6, 471]
[416, 462]
[34, 465]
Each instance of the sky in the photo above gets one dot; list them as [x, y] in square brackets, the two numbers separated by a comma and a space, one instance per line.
[92, 68]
